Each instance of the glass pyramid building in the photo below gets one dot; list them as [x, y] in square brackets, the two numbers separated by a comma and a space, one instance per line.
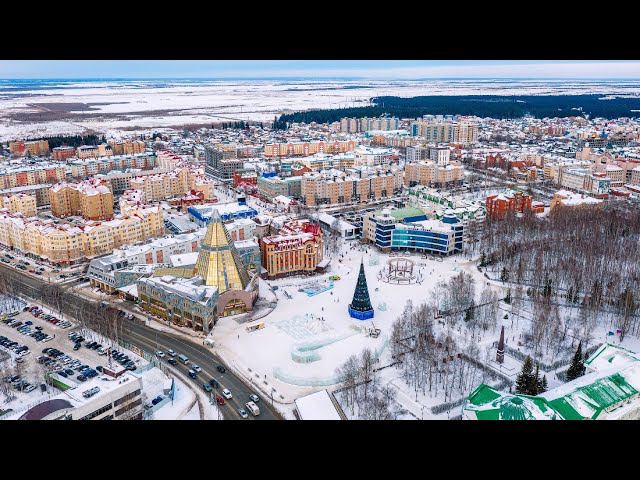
[360, 307]
[218, 263]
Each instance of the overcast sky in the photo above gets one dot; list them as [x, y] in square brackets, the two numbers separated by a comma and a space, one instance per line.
[372, 69]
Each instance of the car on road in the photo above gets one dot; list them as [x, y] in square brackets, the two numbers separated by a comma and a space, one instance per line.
[196, 368]
[226, 393]
[219, 400]
[243, 413]
[253, 408]
[254, 398]
[171, 353]
[172, 361]
[221, 369]
[160, 354]
[193, 373]
[207, 388]
[214, 383]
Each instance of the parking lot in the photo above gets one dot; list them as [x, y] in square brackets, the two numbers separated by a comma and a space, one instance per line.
[30, 359]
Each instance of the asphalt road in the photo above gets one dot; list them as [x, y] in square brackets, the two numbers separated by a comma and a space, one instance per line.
[150, 340]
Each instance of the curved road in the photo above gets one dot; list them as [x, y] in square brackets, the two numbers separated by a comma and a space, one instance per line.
[149, 339]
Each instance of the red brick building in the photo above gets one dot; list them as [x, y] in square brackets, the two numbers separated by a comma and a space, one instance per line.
[499, 205]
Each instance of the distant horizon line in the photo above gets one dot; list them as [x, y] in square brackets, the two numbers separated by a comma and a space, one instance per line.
[318, 78]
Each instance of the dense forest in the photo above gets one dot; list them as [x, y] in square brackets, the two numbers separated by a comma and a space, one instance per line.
[480, 105]
[74, 140]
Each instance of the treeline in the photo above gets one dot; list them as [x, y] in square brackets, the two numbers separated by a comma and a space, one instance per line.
[493, 106]
[74, 140]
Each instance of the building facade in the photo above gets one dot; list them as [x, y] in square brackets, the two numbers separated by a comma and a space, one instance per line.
[298, 248]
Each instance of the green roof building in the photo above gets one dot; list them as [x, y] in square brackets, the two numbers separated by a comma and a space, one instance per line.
[609, 392]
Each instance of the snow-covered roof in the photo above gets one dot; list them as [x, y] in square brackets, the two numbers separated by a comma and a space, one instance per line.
[317, 406]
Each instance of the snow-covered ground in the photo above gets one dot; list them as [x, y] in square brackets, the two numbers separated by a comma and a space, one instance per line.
[322, 323]
[118, 105]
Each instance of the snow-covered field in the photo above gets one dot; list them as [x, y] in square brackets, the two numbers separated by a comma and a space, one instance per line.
[115, 105]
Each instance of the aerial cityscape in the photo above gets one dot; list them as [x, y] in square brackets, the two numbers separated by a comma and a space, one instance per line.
[319, 240]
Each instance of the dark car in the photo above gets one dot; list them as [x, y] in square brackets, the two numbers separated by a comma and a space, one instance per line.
[172, 361]
[100, 368]
[156, 400]
[81, 378]
[214, 383]
[69, 372]
[221, 369]
[77, 346]
[62, 374]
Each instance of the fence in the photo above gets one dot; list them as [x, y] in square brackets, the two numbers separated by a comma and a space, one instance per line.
[518, 355]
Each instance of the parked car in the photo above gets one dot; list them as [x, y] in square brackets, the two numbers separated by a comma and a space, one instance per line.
[156, 400]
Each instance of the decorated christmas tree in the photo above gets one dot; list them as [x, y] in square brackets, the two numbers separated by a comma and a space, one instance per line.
[360, 306]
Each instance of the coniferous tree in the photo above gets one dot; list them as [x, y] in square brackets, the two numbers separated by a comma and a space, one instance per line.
[543, 385]
[576, 369]
[523, 380]
[483, 259]
[536, 382]
[504, 276]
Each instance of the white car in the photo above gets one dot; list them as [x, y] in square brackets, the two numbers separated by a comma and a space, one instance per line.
[196, 368]
[102, 351]
[171, 353]
[24, 353]
[226, 393]
[30, 388]
[160, 354]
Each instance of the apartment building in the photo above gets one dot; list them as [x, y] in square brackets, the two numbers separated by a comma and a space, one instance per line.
[72, 242]
[23, 175]
[308, 148]
[437, 131]
[358, 185]
[34, 148]
[127, 147]
[92, 199]
[325, 161]
[60, 154]
[298, 248]
[94, 151]
[176, 183]
[271, 187]
[635, 176]
[498, 206]
[358, 125]
[430, 173]
[84, 168]
[21, 203]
